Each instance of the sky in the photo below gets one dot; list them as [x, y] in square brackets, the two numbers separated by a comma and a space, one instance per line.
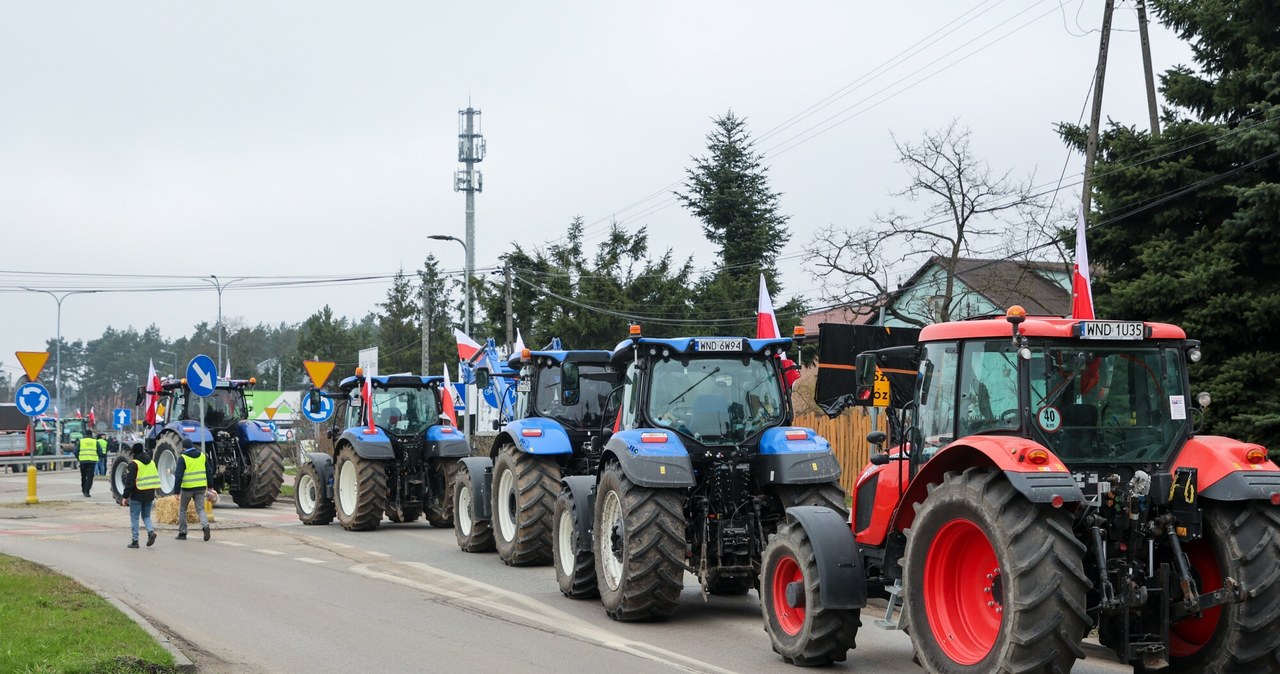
[305, 138]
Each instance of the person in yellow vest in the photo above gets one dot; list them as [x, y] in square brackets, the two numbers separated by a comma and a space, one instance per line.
[191, 476]
[87, 453]
[141, 479]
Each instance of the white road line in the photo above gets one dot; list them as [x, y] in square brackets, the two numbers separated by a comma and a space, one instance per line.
[269, 552]
[309, 560]
[233, 543]
[375, 553]
[340, 545]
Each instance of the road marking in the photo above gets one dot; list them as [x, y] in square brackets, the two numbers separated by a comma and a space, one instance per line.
[233, 544]
[340, 545]
[375, 553]
[269, 552]
[309, 560]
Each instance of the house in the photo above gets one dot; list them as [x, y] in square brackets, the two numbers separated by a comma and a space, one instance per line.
[980, 288]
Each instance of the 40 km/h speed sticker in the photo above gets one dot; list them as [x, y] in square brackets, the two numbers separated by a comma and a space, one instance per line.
[1049, 418]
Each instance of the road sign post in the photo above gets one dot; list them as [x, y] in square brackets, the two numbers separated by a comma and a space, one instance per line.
[32, 399]
[202, 379]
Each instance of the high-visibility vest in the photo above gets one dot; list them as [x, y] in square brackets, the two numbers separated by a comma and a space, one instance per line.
[148, 476]
[102, 445]
[193, 472]
[88, 449]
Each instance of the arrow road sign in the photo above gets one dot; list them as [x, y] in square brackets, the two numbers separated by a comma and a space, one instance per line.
[121, 417]
[202, 375]
[326, 409]
[32, 399]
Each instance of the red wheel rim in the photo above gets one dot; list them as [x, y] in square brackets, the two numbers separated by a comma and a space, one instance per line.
[791, 620]
[963, 592]
[1189, 635]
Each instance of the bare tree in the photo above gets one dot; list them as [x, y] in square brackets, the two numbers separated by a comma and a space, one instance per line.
[962, 206]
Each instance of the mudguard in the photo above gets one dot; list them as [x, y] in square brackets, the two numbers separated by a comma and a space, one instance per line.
[445, 442]
[538, 435]
[582, 489]
[191, 430]
[480, 470]
[1223, 473]
[795, 460]
[324, 472]
[368, 445]
[843, 583]
[651, 464]
[254, 431]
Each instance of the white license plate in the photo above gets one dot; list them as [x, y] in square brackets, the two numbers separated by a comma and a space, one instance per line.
[717, 344]
[1111, 330]
[522, 386]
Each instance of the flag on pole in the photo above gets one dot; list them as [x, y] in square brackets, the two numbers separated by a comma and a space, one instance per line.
[78, 414]
[519, 346]
[92, 421]
[367, 394]
[767, 328]
[227, 375]
[446, 399]
[467, 347]
[153, 392]
[1081, 288]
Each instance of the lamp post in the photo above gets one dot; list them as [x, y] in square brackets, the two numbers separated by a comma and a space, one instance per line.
[175, 361]
[57, 362]
[219, 286]
[466, 290]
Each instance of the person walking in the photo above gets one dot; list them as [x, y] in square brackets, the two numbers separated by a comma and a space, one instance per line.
[88, 456]
[140, 482]
[190, 474]
[105, 447]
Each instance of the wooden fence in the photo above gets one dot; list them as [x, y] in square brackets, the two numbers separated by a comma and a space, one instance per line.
[847, 434]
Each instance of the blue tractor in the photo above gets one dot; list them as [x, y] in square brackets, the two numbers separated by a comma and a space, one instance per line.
[699, 469]
[243, 457]
[506, 500]
[388, 450]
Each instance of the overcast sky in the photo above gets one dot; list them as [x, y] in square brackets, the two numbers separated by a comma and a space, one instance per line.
[300, 138]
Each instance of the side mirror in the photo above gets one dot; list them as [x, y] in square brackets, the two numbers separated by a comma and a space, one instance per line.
[482, 379]
[313, 401]
[923, 377]
[876, 438]
[495, 424]
[142, 396]
[569, 383]
[865, 367]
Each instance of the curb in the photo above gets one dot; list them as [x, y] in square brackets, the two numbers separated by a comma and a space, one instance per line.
[180, 660]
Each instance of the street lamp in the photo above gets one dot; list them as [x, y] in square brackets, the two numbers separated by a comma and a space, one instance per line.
[466, 290]
[175, 362]
[219, 286]
[57, 363]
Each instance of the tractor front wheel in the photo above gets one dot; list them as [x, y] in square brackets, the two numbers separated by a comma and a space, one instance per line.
[168, 447]
[439, 509]
[575, 568]
[474, 535]
[802, 630]
[994, 583]
[360, 489]
[308, 497]
[116, 474]
[639, 548]
[524, 496]
[266, 474]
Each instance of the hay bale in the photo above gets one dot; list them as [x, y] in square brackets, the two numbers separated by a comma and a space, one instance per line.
[166, 511]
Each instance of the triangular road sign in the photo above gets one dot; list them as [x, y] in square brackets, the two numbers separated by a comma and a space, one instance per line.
[271, 412]
[318, 370]
[32, 362]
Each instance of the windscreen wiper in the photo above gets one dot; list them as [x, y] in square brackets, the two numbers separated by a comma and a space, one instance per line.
[695, 385]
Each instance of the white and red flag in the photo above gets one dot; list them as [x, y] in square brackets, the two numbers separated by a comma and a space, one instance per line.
[767, 328]
[367, 394]
[446, 399]
[1081, 289]
[519, 346]
[153, 392]
[92, 421]
[467, 347]
[78, 414]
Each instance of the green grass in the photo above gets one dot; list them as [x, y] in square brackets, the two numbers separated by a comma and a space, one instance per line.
[286, 490]
[53, 624]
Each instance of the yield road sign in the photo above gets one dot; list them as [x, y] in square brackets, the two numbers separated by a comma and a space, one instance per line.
[319, 371]
[121, 417]
[32, 399]
[326, 408]
[202, 375]
[32, 362]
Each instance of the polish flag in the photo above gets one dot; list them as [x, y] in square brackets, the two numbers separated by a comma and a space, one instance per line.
[446, 399]
[519, 346]
[467, 347]
[227, 376]
[92, 422]
[367, 394]
[153, 392]
[1081, 289]
[767, 328]
[78, 414]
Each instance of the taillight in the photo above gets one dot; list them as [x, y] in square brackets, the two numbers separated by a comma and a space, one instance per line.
[188, 429]
[797, 435]
[370, 431]
[446, 429]
[1255, 455]
[1056, 501]
[1038, 457]
[653, 437]
[1275, 498]
[531, 432]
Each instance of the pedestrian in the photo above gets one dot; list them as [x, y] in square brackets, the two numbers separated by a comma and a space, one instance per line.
[190, 474]
[106, 447]
[140, 482]
[88, 456]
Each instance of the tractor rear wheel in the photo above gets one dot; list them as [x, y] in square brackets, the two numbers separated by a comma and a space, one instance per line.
[473, 535]
[575, 568]
[360, 490]
[308, 496]
[524, 496]
[802, 630]
[116, 474]
[994, 583]
[439, 509]
[639, 548]
[1242, 541]
[266, 474]
[168, 447]
[828, 495]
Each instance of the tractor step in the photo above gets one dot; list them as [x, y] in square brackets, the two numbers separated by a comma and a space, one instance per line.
[889, 622]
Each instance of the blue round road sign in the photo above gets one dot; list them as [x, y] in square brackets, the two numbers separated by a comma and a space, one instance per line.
[326, 409]
[202, 375]
[32, 398]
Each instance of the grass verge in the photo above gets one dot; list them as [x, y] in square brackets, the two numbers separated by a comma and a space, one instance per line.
[54, 624]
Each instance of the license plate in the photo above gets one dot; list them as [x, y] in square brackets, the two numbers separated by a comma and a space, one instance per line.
[522, 386]
[717, 344]
[1111, 330]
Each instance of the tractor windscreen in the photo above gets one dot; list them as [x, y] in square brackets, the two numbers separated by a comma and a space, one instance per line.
[716, 401]
[222, 408]
[593, 405]
[1108, 404]
[405, 411]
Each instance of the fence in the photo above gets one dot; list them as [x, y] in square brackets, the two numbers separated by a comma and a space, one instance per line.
[847, 434]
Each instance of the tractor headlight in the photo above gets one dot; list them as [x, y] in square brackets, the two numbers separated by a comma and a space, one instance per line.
[1193, 354]
[1203, 399]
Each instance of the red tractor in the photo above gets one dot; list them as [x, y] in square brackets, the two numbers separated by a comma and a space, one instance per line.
[1046, 480]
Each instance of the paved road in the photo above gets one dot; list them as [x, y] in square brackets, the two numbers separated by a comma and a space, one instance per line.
[276, 596]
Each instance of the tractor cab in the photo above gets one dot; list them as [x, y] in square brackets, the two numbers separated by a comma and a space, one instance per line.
[401, 405]
[223, 409]
[575, 388]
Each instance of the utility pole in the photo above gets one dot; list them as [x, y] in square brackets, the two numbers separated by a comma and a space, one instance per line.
[1091, 147]
[426, 333]
[1146, 66]
[506, 272]
[471, 151]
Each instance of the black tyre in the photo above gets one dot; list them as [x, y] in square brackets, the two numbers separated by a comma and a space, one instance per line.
[360, 490]
[1242, 541]
[639, 548]
[994, 583]
[802, 630]
[524, 496]
[473, 535]
[266, 470]
[439, 509]
[308, 496]
[168, 447]
[115, 474]
[828, 495]
[575, 569]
